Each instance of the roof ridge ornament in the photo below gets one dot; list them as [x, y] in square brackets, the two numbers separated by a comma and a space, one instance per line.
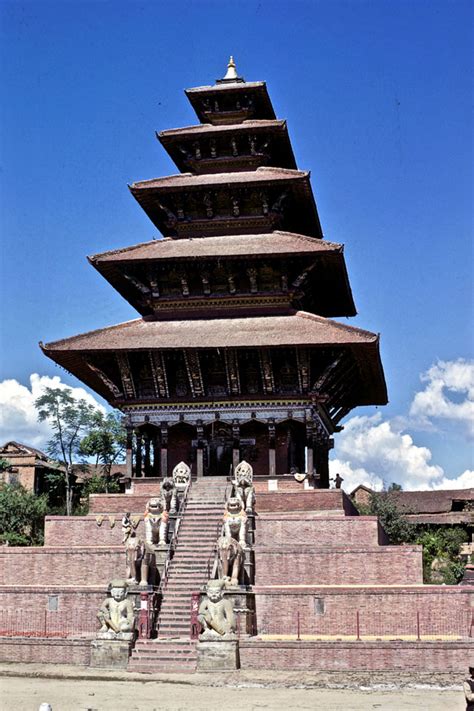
[231, 76]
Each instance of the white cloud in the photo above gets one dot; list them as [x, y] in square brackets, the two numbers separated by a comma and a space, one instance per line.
[18, 416]
[374, 452]
[448, 396]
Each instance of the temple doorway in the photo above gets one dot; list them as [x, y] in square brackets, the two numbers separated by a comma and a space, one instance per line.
[218, 461]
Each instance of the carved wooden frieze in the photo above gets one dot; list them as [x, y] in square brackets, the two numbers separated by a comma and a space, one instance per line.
[232, 370]
[159, 374]
[267, 371]
[126, 375]
[110, 385]
[193, 368]
[302, 358]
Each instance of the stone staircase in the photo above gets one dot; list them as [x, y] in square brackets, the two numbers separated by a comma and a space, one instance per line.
[174, 650]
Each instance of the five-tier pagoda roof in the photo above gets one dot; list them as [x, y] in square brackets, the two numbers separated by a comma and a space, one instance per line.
[234, 297]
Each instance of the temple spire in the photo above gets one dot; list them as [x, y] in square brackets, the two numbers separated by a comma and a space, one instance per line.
[231, 75]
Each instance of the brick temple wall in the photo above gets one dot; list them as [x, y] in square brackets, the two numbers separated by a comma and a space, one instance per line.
[54, 611]
[309, 565]
[272, 530]
[118, 503]
[79, 530]
[45, 651]
[63, 566]
[381, 612]
[323, 500]
[358, 656]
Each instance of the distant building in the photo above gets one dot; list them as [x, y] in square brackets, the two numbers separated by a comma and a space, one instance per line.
[450, 506]
[28, 466]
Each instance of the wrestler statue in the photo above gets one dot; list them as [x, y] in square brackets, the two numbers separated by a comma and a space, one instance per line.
[116, 614]
[216, 613]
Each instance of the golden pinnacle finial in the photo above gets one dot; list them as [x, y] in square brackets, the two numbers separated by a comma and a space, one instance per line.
[231, 70]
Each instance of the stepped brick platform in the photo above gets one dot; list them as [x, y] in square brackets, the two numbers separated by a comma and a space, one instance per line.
[74, 531]
[292, 497]
[68, 566]
[295, 528]
[310, 565]
[356, 656]
[344, 611]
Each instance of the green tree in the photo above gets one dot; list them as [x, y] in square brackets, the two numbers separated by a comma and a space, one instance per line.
[393, 521]
[21, 516]
[4, 464]
[442, 546]
[106, 441]
[70, 419]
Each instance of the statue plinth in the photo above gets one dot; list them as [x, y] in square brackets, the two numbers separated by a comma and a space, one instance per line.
[219, 654]
[107, 653]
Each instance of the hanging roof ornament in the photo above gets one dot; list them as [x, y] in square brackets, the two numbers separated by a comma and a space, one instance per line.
[231, 76]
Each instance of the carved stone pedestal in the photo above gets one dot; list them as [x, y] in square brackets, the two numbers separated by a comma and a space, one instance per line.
[218, 655]
[110, 653]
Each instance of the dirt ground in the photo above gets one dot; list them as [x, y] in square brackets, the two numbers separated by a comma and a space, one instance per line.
[27, 693]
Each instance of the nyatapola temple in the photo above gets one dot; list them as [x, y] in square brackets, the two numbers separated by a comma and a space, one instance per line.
[228, 547]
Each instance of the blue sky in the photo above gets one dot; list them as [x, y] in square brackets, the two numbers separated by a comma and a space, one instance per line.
[378, 98]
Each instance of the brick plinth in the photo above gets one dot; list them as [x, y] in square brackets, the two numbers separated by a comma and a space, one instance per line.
[45, 650]
[78, 530]
[425, 610]
[323, 500]
[276, 529]
[305, 564]
[118, 503]
[94, 565]
[357, 656]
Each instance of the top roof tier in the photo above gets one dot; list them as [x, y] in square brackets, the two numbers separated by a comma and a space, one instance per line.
[231, 100]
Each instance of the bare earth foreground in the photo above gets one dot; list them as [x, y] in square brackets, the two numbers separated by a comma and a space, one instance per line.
[25, 687]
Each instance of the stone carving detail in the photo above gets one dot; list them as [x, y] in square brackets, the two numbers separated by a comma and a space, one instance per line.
[116, 614]
[126, 375]
[243, 486]
[216, 613]
[156, 523]
[235, 521]
[230, 560]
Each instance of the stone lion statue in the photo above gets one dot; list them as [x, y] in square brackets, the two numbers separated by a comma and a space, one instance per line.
[235, 521]
[243, 485]
[181, 476]
[156, 523]
[230, 559]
